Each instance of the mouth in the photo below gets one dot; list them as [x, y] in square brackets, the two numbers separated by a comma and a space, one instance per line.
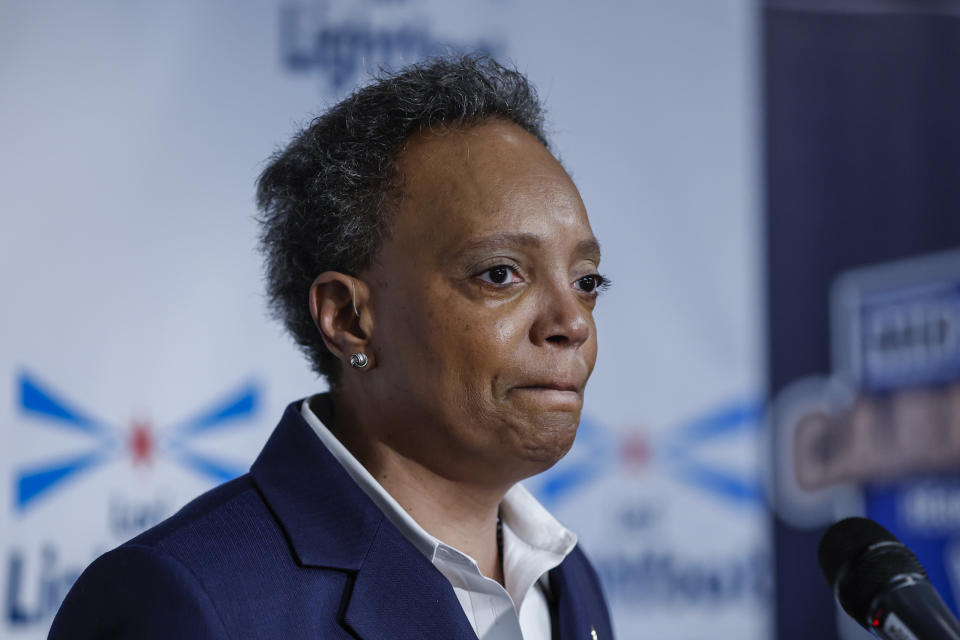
[551, 386]
[550, 393]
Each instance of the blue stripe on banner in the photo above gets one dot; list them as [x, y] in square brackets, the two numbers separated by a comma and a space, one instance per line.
[733, 487]
[741, 415]
[679, 452]
[34, 398]
[565, 480]
[239, 404]
[676, 453]
[36, 481]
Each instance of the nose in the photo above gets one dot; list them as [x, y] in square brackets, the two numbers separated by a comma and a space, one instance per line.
[563, 320]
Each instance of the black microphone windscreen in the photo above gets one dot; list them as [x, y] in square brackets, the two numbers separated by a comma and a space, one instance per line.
[846, 540]
[860, 559]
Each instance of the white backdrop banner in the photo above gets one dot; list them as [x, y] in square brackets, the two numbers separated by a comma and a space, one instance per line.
[137, 364]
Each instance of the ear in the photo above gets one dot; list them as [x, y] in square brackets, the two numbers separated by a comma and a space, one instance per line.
[340, 309]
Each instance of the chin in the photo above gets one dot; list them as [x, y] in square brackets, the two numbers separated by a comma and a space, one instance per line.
[548, 440]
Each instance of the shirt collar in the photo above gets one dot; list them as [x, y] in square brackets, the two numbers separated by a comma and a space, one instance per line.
[402, 520]
[534, 542]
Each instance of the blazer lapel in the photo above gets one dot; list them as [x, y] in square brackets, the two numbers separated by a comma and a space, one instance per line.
[570, 621]
[399, 595]
[329, 520]
[331, 523]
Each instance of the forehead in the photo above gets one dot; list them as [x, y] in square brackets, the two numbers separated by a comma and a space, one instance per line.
[459, 185]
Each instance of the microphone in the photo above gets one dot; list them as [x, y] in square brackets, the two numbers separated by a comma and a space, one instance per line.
[881, 584]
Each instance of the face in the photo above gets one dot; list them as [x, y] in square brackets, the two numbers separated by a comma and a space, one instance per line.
[482, 300]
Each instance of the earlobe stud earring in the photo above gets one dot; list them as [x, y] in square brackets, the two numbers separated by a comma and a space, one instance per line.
[358, 360]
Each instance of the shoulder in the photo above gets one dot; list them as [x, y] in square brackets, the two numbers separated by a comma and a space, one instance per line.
[171, 576]
[220, 567]
[133, 591]
[229, 516]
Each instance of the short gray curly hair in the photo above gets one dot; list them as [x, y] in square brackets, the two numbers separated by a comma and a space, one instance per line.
[325, 200]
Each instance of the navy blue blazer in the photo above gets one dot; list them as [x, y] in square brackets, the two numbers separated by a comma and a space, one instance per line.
[293, 549]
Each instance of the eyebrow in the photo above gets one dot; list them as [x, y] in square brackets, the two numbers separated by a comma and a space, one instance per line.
[589, 247]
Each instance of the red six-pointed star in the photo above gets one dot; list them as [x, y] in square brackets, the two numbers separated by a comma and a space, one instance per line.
[141, 442]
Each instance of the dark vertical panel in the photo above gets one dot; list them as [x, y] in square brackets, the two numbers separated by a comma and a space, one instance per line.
[862, 118]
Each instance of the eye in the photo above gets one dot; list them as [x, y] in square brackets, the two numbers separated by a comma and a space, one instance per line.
[500, 275]
[593, 283]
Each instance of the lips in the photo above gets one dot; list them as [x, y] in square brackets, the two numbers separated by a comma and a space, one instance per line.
[548, 396]
[550, 391]
[551, 382]
[555, 386]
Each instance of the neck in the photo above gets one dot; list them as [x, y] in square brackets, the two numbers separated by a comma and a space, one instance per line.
[463, 517]
[460, 514]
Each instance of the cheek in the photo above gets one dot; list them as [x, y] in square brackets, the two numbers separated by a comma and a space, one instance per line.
[480, 349]
[439, 347]
[406, 345]
[477, 349]
[590, 349]
[481, 341]
[507, 332]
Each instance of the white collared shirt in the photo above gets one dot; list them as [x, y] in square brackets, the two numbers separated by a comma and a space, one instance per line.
[533, 543]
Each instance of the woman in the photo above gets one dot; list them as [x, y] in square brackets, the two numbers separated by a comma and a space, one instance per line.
[436, 264]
